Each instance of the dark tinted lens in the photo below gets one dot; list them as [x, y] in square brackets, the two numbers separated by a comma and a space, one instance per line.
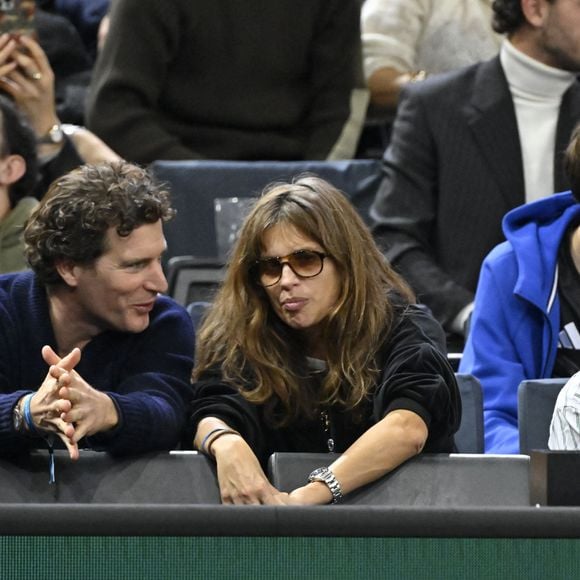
[269, 271]
[305, 263]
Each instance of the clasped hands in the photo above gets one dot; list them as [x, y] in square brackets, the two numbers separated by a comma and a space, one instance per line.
[65, 404]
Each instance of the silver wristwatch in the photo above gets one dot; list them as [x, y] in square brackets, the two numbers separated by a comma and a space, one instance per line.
[326, 476]
[57, 133]
[18, 419]
[54, 136]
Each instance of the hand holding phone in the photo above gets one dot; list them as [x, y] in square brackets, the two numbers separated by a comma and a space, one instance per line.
[17, 17]
[26, 75]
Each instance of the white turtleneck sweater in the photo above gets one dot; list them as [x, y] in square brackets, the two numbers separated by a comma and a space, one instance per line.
[537, 91]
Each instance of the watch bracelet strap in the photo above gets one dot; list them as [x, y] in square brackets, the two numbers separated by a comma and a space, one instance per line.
[326, 476]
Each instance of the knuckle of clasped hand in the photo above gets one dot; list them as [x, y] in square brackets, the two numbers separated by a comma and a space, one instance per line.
[257, 491]
[243, 495]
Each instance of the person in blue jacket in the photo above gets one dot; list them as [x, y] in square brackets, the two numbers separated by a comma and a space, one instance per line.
[526, 320]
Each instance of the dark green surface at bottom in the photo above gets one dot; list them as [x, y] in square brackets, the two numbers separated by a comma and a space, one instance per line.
[256, 558]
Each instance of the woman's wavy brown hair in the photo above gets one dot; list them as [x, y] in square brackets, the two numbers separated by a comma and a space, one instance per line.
[265, 358]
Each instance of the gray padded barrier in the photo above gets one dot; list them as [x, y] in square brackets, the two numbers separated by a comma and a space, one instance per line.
[453, 480]
[469, 437]
[195, 185]
[176, 495]
[330, 521]
[536, 400]
[159, 478]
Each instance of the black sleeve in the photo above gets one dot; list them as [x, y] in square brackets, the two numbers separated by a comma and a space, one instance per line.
[214, 398]
[66, 160]
[416, 376]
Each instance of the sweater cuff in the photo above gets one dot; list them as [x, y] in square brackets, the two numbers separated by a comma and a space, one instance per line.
[406, 404]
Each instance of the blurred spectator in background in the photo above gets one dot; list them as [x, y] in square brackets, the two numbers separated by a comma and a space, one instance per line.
[103, 31]
[526, 320]
[18, 176]
[405, 40]
[85, 15]
[469, 145]
[32, 137]
[26, 76]
[225, 80]
[565, 424]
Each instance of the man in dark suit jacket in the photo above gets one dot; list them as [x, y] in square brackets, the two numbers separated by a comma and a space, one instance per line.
[455, 164]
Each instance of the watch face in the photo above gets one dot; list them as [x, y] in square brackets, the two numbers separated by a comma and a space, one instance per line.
[56, 134]
[319, 474]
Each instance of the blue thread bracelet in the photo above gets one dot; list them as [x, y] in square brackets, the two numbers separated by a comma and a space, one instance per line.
[28, 414]
[34, 431]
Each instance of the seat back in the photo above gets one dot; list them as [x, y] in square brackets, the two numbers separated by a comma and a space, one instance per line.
[426, 480]
[196, 184]
[469, 437]
[192, 279]
[197, 312]
[536, 401]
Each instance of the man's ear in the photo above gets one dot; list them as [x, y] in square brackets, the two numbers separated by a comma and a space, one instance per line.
[12, 169]
[68, 271]
[535, 11]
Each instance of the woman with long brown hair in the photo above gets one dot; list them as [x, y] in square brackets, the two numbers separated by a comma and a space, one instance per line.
[313, 344]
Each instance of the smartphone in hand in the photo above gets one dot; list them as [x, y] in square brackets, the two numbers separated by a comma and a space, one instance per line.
[17, 17]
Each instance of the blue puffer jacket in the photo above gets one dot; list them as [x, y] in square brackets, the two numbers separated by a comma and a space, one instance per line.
[516, 320]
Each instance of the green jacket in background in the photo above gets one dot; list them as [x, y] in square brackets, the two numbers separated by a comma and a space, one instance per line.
[11, 240]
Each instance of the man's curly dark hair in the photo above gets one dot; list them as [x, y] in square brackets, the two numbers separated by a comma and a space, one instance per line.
[74, 217]
[507, 15]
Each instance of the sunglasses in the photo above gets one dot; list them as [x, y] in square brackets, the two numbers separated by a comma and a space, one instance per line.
[304, 263]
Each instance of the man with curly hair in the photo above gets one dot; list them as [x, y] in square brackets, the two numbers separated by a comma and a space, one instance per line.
[90, 353]
[470, 145]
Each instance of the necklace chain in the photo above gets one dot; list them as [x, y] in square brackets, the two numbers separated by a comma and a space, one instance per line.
[325, 418]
